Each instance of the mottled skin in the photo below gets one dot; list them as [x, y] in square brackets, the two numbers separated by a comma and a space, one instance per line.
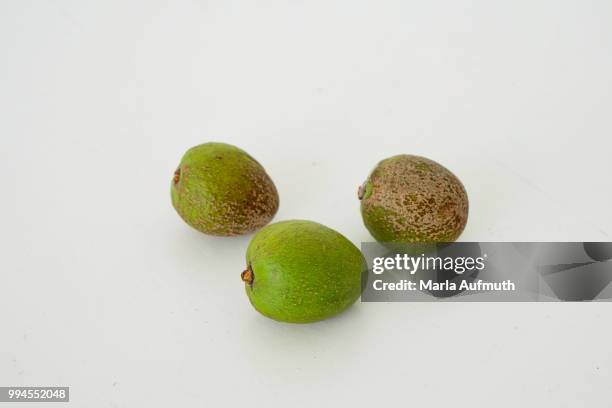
[220, 190]
[411, 199]
[301, 272]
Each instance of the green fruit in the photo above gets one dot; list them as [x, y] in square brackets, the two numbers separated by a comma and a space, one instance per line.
[301, 272]
[220, 190]
[411, 199]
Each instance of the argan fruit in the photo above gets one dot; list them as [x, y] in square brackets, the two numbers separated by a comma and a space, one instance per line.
[219, 189]
[301, 272]
[411, 199]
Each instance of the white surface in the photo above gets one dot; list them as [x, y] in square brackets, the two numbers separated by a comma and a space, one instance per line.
[105, 289]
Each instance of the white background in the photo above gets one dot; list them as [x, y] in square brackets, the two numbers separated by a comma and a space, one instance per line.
[103, 287]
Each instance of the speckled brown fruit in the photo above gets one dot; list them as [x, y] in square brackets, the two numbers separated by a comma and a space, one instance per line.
[220, 190]
[409, 199]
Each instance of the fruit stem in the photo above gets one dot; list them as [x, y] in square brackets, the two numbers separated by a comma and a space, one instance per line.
[177, 176]
[247, 276]
[361, 191]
